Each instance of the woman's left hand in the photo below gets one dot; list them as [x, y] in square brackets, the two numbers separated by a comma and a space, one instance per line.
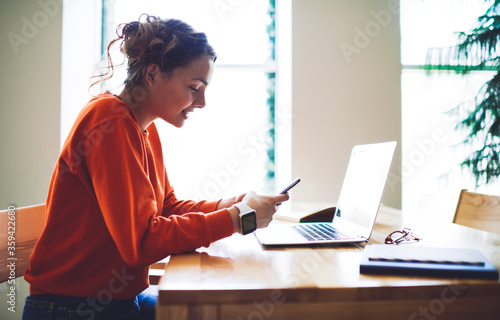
[226, 203]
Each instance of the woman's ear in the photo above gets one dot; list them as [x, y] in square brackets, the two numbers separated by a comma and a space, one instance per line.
[151, 73]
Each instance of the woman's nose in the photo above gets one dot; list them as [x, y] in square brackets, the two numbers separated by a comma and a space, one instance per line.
[200, 101]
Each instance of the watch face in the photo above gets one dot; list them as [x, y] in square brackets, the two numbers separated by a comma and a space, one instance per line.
[248, 223]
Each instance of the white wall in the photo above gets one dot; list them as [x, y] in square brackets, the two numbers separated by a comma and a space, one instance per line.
[345, 90]
[30, 82]
[30, 78]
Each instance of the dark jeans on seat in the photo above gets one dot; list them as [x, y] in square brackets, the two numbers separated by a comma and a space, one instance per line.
[54, 307]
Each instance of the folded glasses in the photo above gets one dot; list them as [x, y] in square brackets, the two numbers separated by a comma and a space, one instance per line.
[402, 236]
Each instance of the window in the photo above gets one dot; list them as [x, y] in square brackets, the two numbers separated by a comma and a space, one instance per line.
[227, 147]
[432, 177]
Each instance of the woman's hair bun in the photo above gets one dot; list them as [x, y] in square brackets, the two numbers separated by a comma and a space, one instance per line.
[168, 43]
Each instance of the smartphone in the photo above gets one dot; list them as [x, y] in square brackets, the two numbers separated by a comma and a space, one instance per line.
[293, 184]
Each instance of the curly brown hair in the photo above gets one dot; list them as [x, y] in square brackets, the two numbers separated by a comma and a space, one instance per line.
[168, 43]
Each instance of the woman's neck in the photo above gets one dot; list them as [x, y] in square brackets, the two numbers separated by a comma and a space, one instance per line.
[139, 108]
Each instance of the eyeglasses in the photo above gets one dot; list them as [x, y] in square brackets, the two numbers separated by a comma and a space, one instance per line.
[406, 235]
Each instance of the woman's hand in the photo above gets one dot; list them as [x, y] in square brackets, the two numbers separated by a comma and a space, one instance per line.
[227, 203]
[265, 207]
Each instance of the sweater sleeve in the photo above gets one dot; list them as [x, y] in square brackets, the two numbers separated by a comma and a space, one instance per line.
[120, 170]
[173, 206]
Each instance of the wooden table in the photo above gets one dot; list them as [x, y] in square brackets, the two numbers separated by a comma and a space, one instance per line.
[236, 278]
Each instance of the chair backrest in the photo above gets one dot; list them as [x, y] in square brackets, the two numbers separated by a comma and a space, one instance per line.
[21, 229]
[479, 211]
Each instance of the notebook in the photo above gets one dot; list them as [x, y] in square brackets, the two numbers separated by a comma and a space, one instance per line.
[426, 261]
[357, 205]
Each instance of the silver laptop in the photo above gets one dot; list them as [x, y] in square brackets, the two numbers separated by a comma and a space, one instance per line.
[357, 206]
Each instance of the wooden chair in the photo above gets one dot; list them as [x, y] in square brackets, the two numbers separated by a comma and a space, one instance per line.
[479, 211]
[21, 229]
[27, 224]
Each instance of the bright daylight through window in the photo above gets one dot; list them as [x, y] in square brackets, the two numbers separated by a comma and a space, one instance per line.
[227, 147]
[432, 177]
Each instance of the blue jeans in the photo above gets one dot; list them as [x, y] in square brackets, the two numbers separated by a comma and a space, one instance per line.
[54, 307]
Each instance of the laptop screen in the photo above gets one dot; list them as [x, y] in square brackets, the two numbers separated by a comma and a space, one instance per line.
[363, 186]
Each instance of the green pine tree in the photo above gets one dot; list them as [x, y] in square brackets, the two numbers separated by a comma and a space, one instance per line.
[478, 50]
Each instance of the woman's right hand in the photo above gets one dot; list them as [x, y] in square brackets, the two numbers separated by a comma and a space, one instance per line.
[265, 207]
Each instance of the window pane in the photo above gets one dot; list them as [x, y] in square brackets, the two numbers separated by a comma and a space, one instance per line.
[432, 152]
[221, 149]
[432, 178]
[435, 24]
[236, 29]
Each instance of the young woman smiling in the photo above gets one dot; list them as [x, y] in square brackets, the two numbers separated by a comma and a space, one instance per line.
[111, 211]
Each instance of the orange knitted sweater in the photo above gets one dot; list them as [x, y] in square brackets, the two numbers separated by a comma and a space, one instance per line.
[111, 211]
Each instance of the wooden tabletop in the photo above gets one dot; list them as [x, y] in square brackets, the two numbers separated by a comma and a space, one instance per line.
[238, 271]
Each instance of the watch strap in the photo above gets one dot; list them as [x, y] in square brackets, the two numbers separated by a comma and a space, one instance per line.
[248, 220]
[243, 207]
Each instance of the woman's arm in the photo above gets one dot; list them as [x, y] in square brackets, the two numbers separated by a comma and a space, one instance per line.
[227, 203]
[265, 207]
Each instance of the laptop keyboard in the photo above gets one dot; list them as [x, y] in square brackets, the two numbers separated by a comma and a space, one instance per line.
[322, 231]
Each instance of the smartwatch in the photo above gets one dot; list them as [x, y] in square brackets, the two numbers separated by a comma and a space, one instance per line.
[248, 220]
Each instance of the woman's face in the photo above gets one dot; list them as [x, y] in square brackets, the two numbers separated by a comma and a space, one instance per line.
[173, 97]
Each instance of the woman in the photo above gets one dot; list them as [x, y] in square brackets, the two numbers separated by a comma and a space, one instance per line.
[111, 211]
